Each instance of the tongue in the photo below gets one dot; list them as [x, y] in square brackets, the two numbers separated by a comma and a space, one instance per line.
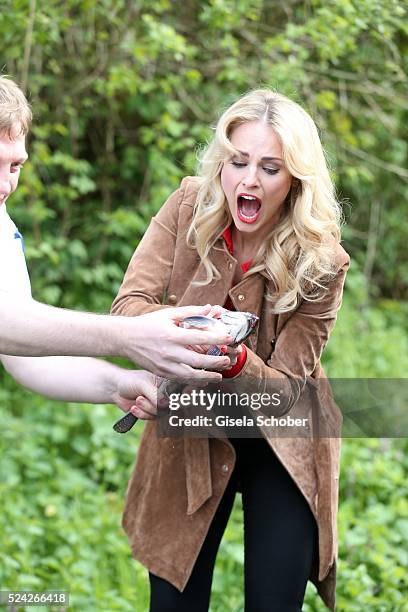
[248, 207]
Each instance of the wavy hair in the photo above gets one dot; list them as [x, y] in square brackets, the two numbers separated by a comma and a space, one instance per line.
[297, 256]
[15, 111]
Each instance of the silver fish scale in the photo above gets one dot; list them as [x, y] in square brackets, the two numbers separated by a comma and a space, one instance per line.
[239, 324]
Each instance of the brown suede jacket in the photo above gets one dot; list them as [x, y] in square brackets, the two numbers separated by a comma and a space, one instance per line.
[177, 483]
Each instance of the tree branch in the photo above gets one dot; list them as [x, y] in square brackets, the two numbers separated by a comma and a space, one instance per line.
[27, 46]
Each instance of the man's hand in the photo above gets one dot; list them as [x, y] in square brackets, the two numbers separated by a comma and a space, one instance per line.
[153, 341]
[83, 379]
[137, 391]
[230, 351]
[166, 348]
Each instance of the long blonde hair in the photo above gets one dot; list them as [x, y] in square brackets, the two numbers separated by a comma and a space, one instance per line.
[298, 253]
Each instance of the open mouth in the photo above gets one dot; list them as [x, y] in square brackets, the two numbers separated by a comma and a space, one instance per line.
[248, 207]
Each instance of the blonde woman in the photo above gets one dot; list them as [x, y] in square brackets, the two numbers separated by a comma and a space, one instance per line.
[258, 231]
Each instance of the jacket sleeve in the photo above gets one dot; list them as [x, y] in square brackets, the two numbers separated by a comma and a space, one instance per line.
[298, 347]
[149, 271]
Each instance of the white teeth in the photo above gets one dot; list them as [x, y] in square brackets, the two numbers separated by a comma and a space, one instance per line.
[249, 217]
[245, 197]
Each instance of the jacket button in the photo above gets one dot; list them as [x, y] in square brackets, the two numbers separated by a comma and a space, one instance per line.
[172, 299]
[230, 265]
[241, 297]
[225, 468]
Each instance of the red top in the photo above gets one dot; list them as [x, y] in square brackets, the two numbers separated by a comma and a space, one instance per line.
[235, 369]
[227, 235]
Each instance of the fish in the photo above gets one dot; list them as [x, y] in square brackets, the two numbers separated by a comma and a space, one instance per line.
[239, 325]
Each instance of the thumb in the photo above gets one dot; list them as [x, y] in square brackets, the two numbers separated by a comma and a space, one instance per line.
[149, 387]
[189, 311]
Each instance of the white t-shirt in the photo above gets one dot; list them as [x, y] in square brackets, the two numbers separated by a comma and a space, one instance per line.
[13, 268]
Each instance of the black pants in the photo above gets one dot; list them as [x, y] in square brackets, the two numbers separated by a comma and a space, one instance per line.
[280, 537]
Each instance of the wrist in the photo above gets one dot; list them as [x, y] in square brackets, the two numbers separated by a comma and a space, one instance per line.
[112, 382]
[118, 341]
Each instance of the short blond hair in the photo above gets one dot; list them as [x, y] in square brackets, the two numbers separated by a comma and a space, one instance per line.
[15, 111]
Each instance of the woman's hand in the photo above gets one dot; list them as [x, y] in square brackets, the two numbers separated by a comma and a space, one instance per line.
[233, 353]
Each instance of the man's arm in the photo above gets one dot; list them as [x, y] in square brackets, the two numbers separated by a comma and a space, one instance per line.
[29, 328]
[83, 379]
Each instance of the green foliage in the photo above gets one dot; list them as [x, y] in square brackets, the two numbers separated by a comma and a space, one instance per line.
[63, 477]
[370, 339]
[123, 93]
